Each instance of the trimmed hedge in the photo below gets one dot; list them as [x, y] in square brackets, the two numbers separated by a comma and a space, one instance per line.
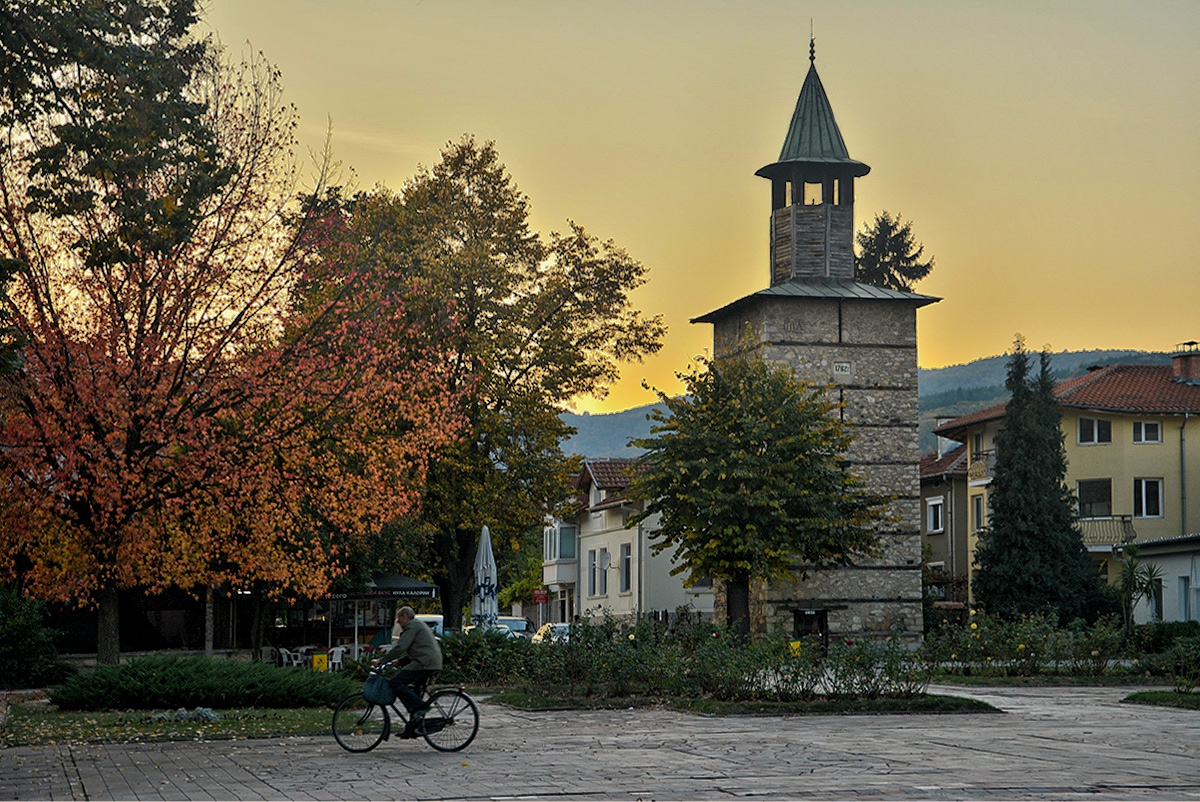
[167, 682]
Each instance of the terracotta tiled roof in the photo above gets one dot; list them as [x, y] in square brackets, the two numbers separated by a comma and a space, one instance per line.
[609, 474]
[953, 461]
[1145, 389]
[1130, 388]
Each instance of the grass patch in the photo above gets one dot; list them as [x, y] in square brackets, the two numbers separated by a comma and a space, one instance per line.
[1187, 701]
[39, 724]
[929, 703]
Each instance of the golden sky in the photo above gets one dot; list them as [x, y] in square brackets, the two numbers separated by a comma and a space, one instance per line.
[1048, 153]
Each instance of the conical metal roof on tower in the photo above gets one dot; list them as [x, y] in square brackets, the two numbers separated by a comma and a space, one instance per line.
[813, 139]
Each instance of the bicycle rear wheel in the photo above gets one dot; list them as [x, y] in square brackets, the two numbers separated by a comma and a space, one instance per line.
[358, 725]
[451, 721]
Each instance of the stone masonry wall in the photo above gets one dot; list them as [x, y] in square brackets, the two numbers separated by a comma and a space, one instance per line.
[867, 350]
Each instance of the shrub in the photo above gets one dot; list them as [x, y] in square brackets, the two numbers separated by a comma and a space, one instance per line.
[28, 658]
[168, 682]
[482, 657]
[1159, 636]
[1183, 663]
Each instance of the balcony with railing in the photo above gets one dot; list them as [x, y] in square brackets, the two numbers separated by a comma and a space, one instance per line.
[982, 465]
[1107, 531]
[1110, 531]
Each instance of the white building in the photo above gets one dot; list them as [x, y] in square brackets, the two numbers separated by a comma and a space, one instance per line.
[595, 561]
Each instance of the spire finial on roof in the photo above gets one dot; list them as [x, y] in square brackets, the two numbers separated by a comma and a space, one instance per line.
[812, 43]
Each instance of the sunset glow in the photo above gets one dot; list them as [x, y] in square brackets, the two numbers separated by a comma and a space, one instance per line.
[1047, 154]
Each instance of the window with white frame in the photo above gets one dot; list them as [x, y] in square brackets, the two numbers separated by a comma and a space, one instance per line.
[568, 534]
[1095, 498]
[1095, 431]
[550, 544]
[934, 511]
[1147, 498]
[1147, 431]
[978, 513]
[592, 572]
[626, 566]
[603, 561]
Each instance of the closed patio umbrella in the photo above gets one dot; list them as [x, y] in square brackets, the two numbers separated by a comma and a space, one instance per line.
[484, 604]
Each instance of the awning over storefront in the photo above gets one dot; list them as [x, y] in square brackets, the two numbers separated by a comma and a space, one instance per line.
[389, 586]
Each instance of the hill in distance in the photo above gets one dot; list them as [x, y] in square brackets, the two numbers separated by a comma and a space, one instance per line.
[944, 393]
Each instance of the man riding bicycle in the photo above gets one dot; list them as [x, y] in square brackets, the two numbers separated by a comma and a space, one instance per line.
[413, 639]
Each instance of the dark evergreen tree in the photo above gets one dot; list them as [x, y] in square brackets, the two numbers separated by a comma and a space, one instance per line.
[1032, 558]
[889, 255]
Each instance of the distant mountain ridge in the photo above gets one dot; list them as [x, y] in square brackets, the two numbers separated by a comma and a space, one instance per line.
[944, 393]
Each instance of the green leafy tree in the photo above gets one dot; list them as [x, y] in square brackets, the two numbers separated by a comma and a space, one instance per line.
[888, 254]
[532, 322]
[1032, 558]
[1138, 580]
[746, 471]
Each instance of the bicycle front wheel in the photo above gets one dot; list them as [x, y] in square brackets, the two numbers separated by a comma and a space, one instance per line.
[451, 721]
[358, 725]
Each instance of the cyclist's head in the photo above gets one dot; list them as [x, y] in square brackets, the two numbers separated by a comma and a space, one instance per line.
[404, 615]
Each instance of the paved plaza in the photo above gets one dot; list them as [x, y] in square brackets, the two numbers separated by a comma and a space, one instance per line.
[1050, 743]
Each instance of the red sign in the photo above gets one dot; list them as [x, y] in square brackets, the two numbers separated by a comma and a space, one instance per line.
[541, 596]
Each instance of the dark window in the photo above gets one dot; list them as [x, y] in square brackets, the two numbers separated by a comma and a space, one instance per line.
[1147, 432]
[1095, 430]
[1147, 498]
[1095, 498]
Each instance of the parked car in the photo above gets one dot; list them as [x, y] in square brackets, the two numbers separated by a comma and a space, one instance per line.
[501, 628]
[553, 633]
[520, 625]
[433, 621]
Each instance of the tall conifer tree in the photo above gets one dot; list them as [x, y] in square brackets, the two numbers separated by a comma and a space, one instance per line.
[1032, 558]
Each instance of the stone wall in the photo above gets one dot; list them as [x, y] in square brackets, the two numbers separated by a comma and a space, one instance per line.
[867, 350]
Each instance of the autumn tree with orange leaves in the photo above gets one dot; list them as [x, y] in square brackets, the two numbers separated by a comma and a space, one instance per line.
[200, 399]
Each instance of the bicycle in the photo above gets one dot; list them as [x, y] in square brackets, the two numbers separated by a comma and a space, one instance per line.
[448, 725]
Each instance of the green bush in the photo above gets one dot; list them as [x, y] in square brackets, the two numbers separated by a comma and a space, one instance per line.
[152, 683]
[28, 658]
[1183, 663]
[1028, 646]
[482, 657]
[1159, 636]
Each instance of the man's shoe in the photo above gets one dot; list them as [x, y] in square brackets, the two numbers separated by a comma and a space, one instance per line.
[410, 730]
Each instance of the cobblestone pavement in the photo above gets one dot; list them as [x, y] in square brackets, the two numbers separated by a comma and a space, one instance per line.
[1051, 743]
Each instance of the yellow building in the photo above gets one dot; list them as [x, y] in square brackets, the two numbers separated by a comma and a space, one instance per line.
[1132, 438]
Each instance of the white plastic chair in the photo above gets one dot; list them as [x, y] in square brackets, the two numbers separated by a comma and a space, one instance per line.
[335, 658]
[289, 658]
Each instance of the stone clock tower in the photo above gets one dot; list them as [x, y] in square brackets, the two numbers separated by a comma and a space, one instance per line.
[863, 339]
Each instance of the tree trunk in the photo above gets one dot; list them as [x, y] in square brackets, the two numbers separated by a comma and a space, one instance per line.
[108, 627]
[457, 579]
[208, 620]
[737, 606]
[258, 611]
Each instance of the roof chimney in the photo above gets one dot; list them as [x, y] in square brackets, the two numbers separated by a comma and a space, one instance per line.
[1185, 362]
